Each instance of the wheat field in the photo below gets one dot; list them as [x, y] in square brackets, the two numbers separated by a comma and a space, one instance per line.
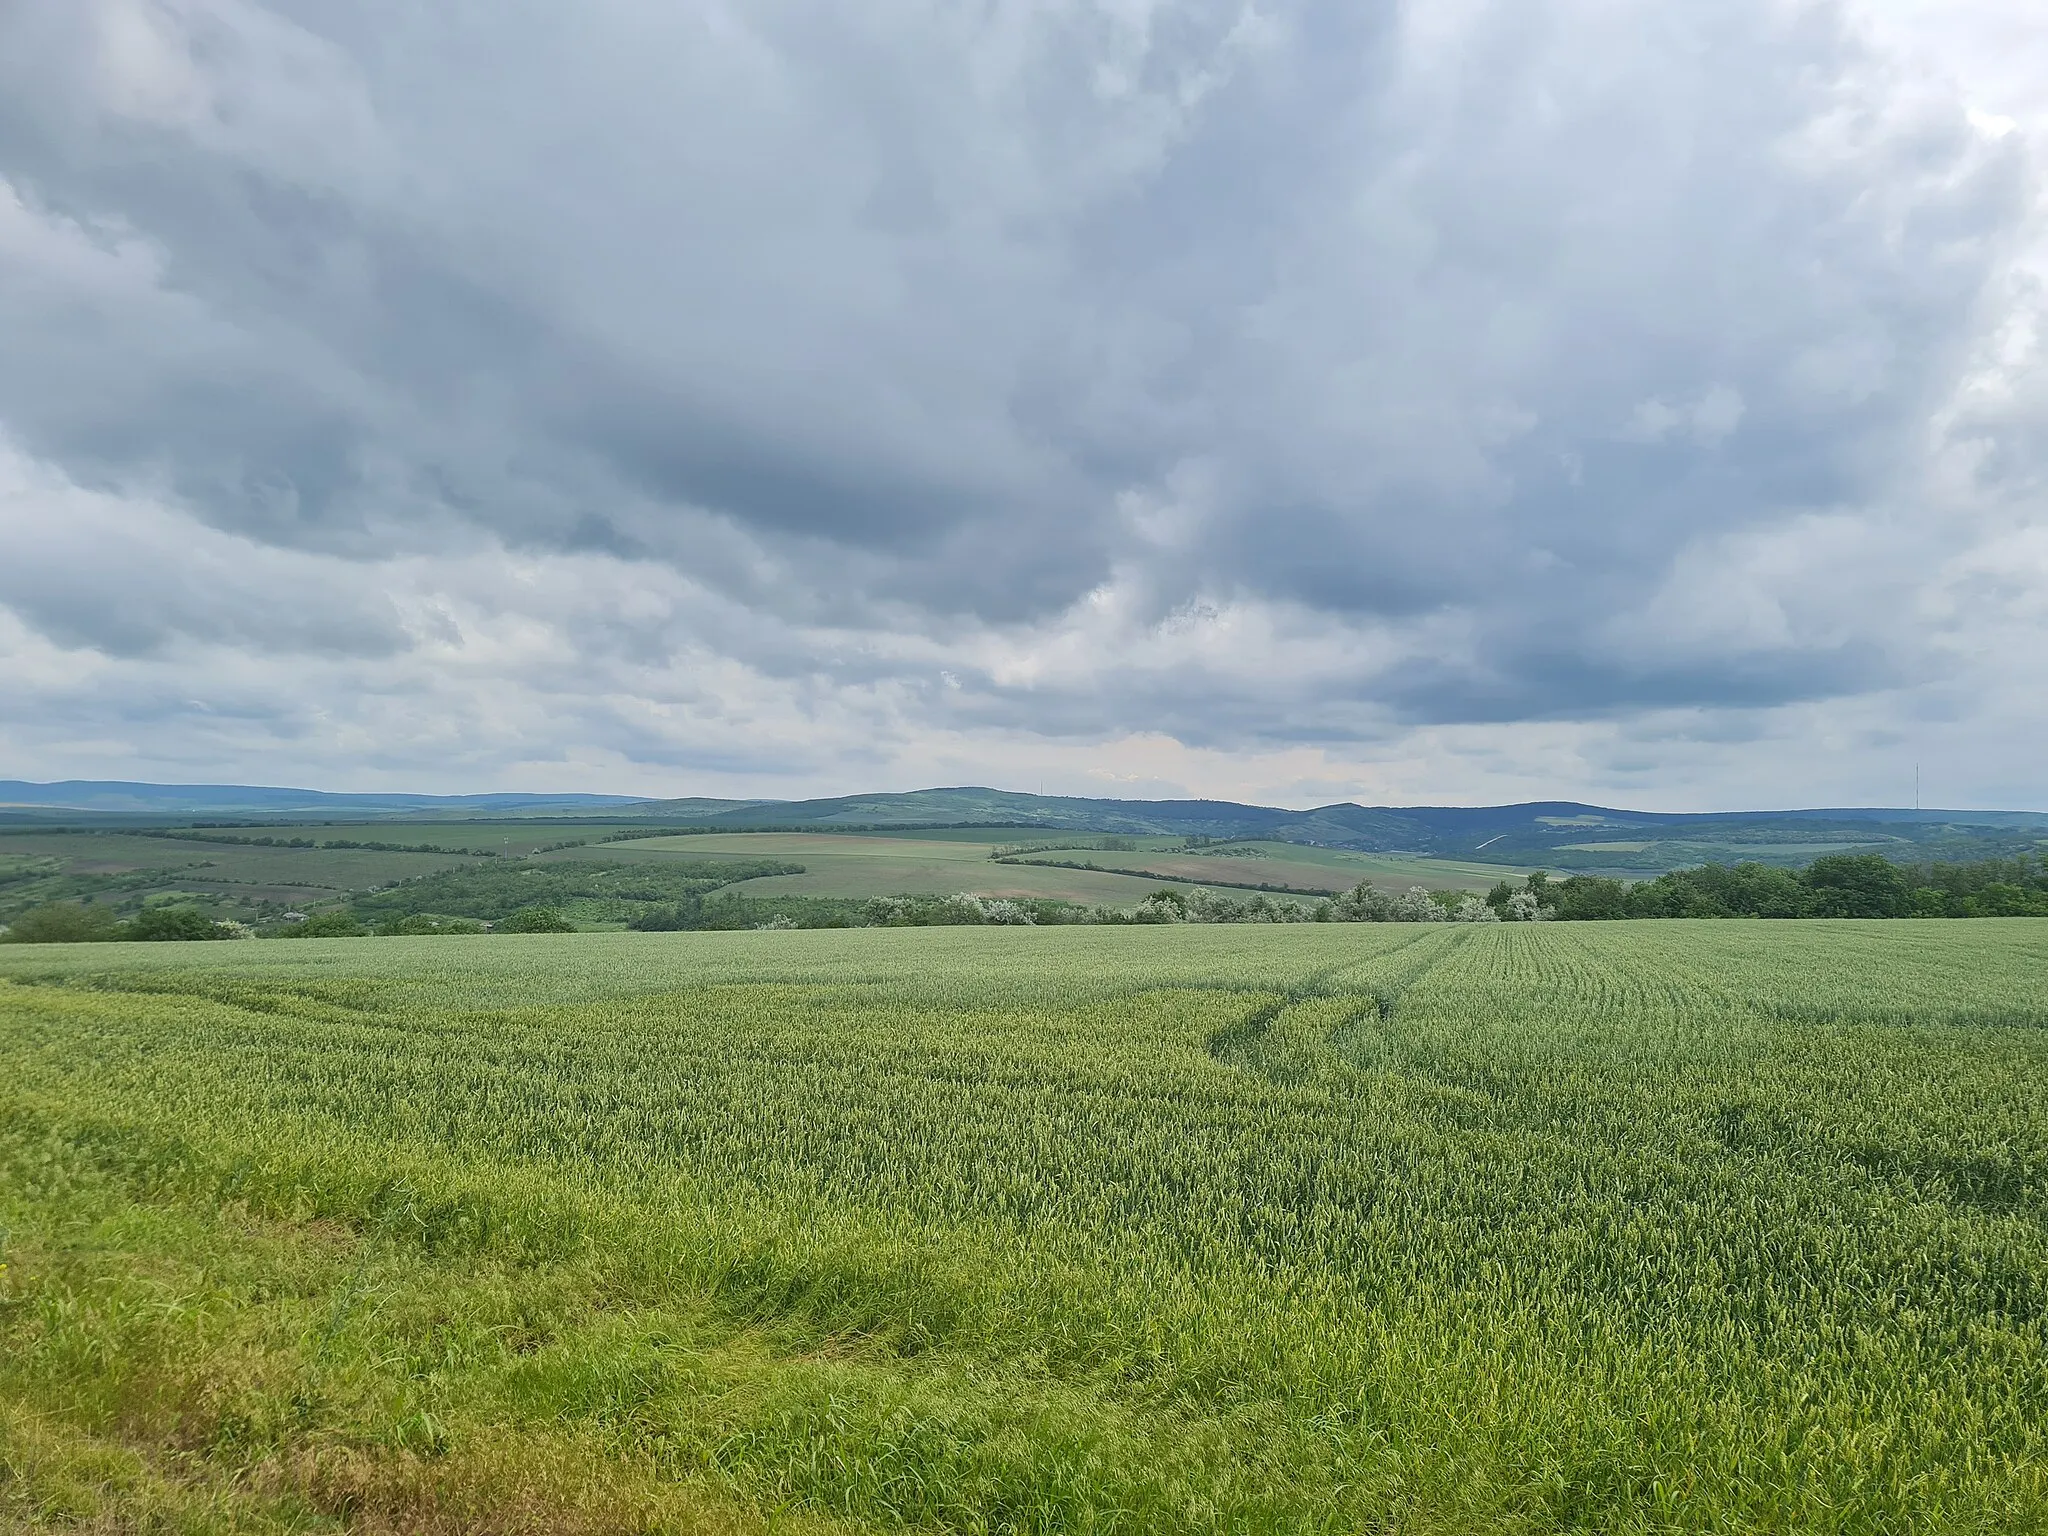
[1526, 1228]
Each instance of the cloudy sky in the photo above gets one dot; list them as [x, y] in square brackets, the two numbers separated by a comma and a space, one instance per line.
[1448, 401]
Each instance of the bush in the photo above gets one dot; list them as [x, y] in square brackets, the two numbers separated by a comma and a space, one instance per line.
[1205, 906]
[327, 925]
[157, 925]
[1364, 904]
[996, 910]
[419, 924]
[536, 920]
[1162, 906]
[62, 922]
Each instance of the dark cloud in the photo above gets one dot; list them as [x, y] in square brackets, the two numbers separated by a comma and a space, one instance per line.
[1286, 375]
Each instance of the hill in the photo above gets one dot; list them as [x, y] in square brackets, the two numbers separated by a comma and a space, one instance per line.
[1558, 834]
[21, 800]
[1561, 834]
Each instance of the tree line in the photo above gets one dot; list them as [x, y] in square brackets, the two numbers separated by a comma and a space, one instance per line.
[1837, 885]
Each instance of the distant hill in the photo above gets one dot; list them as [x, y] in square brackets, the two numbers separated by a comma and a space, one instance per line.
[120, 798]
[1560, 834]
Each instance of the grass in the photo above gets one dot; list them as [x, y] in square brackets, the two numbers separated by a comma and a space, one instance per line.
[1687, 1226]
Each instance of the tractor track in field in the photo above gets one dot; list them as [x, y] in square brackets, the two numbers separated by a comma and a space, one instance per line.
[1237, 1044]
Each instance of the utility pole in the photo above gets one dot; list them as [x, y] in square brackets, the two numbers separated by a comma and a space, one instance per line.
[1916, 786]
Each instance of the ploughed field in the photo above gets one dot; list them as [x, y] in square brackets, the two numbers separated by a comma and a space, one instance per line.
[1532, 1227]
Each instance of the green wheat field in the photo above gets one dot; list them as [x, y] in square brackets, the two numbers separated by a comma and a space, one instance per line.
[1331, 1228]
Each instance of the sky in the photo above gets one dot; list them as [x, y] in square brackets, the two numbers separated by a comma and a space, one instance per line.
[1445, 402]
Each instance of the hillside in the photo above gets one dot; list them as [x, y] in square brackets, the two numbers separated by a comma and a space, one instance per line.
[1558, 834]
[1561, 834]
[96, 799]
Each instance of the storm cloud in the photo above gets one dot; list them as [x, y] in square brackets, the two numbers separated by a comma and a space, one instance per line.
[1297, 400]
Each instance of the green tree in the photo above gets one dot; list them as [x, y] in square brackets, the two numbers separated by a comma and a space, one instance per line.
[1588, 898]
[1929, 902]
[1857, 885]
[536, 920]
[62, 922]
[326, 925]
[174, 924]
[419, 924]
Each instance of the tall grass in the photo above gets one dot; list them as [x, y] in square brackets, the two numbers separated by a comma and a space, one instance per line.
[1531, 1228]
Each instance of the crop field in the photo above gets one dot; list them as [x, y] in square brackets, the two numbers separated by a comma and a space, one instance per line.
[851, 864]
[1295, 865]
[255, 874]
[1687, 1226]
[41, 866]
[229, 873]
[941, 862]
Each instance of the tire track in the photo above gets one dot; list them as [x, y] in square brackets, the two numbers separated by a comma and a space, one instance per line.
[1242, 1043]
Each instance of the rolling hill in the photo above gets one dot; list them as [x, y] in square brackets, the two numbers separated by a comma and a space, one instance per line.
[1558, 834]
[120, 798]
[1565, 835]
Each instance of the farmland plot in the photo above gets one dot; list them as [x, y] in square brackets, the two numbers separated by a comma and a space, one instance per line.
[1686, 1226]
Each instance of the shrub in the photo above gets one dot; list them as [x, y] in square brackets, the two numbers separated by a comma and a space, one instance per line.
[1364, 904]
[1205, 906]
[1162, 906]
[994, 909]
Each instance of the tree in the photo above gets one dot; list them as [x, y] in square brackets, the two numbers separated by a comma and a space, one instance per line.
[1857, 885]
[536, 920]
[62, 922]
[1162, 906]
[1590, 898]
[328, 925]
[160, 925]
[680, 916]
[420, 924]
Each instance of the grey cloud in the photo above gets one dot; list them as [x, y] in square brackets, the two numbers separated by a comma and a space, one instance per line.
[129, 579]
[880, 322]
